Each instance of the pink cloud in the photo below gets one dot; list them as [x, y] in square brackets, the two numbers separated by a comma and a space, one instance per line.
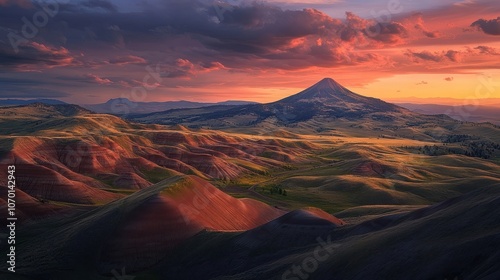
[98, 80]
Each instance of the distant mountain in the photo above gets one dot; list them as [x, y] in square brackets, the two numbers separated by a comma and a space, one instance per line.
[124, 106]
[470, 113]
[15, 102]
[326, 99]
[326, 108]
[328, 94]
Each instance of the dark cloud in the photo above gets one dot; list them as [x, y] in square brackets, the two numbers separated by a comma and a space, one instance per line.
[487, 50]
[449, 79]
[422, 83]
[127, 59]
[491, 27]
[388, 33]
[35, 56]
[425, 55]
[450, 55]
[245, 36]
[357, 29]
[20, 3]
[454, 56]
[432, 34]
[102, 4]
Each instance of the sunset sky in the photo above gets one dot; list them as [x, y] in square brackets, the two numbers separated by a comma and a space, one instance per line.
[90, 51]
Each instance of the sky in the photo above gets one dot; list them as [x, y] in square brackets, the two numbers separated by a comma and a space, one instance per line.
[90, 51]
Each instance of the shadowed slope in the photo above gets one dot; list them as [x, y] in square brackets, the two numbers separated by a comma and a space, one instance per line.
[456, 239]
[176, 213]
[139, 230]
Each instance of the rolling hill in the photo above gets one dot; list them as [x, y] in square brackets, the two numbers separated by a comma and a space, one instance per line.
[65, 154]
[454, 239]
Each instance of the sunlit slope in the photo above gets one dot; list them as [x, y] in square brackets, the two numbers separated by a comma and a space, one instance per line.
[353, 174]
[67, 154]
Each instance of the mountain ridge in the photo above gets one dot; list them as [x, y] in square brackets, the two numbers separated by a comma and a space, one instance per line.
[125, 106]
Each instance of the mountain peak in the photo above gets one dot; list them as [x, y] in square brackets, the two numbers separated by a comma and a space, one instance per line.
[328, 83]
[327, 97]
[327, 88]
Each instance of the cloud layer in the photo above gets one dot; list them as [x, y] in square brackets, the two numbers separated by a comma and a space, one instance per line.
[100, 43]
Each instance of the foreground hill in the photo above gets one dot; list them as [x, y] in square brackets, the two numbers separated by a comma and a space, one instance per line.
[455, 239]
[140, 230]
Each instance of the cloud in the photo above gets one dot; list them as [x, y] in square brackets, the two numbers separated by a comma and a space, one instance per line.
[20, 3]
[248, 36]
[422, 83]
[449, 79]
[98, 80]
[184, 68]
[420, 25]
[357, 29]
[127, 59]
[437, 56]
[424, 55]
[454, 56]
[388, 33]
[100, 4]
[189, 38]
[34, 56]
[491, 27]
[487, 50]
